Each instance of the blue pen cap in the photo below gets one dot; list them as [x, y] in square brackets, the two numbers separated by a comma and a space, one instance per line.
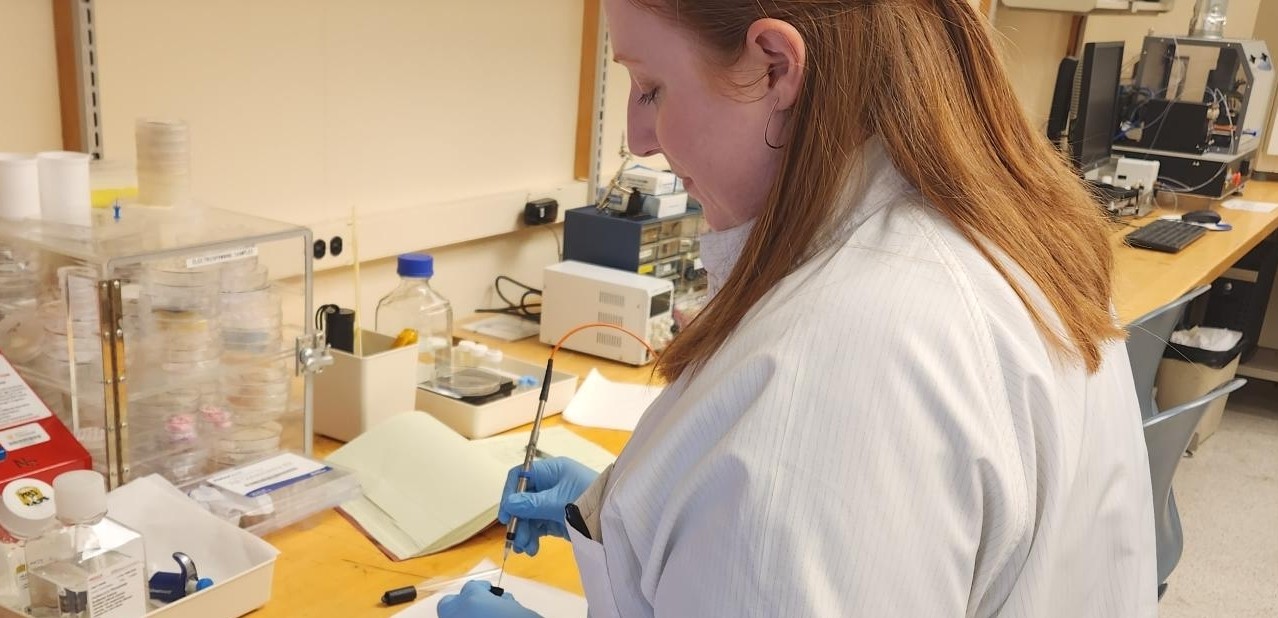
[416, 265]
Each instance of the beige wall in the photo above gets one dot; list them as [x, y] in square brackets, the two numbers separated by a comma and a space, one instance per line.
[464, 273]
[29, 116]
[1033, 43]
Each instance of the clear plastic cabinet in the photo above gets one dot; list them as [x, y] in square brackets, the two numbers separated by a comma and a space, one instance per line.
[175, 342]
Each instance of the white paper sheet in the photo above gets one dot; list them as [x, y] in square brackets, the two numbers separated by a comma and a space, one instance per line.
[602, 403]
[546, 600]
[505, 328]
[1240, 204]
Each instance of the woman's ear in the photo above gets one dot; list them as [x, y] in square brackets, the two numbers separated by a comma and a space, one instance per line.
[776, 47]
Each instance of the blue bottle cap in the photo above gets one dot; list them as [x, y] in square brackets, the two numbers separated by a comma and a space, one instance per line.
[416, 265]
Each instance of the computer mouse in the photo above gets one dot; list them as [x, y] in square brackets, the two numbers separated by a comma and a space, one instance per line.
[1201, 216]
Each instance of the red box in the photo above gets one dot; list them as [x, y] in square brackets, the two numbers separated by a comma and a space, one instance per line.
[33, 442]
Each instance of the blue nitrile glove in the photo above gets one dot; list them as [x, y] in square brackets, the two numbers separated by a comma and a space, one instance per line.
[478, 601]
[552, 485]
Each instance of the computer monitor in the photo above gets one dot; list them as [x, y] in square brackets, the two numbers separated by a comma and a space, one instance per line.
[1093, 98]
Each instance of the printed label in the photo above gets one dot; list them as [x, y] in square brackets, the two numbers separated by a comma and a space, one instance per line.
[23, 436]
[266, 476]
[18, 403]
[229, 255]
[118, 592]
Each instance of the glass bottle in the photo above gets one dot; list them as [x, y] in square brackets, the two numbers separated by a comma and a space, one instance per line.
[91, 566]
[1209, 21]
[26, 512]
[415, 306]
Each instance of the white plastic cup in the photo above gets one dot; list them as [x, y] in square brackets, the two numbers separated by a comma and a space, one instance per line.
[64, 187]
[19, 187]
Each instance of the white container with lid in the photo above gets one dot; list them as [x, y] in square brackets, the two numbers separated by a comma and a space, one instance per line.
[26, 511]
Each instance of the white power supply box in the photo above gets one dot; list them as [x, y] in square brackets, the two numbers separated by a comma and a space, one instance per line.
[576, 293]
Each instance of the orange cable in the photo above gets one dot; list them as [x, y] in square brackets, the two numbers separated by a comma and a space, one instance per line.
[582, 327]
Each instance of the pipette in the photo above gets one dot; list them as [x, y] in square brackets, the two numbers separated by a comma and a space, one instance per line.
[429, 587]
[530, 452]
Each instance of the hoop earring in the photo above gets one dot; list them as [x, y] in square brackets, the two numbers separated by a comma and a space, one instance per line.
[768, 127]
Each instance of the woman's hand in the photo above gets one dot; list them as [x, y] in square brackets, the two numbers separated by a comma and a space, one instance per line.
[478, 601]
[552, 485]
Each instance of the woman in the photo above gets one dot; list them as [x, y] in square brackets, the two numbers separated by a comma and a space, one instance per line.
[909, 396]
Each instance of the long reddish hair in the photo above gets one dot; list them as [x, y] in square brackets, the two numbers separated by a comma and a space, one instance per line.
[923, 76]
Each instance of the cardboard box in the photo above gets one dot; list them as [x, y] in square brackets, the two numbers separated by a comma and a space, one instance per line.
[33, 442]
[651, 182]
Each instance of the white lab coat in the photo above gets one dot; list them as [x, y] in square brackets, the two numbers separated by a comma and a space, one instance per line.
[885, 434]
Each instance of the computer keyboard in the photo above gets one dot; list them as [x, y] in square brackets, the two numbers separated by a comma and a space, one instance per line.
[1166, 235]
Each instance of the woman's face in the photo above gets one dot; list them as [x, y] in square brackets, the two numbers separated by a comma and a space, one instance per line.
[710, 131]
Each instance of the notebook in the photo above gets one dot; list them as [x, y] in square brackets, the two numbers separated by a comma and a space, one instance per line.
[426, 488]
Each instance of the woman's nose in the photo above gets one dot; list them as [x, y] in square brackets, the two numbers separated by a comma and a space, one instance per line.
[641, 132]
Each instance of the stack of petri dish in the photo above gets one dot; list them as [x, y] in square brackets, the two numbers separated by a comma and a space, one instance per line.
[19, 280]
[257, 393]
[166, 438]
[20, 334]
[185, 319]
[251, 311]
[256, 378]
[164, 161]
[71, 343]
[178, 317]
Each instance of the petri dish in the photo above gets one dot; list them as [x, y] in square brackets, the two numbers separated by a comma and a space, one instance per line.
[250, 440]
[471, 383]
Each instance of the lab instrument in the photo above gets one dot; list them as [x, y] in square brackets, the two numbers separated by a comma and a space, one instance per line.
[577, 292]
[1199, 108]
[665, 247]
[530, 453]
[170, 587]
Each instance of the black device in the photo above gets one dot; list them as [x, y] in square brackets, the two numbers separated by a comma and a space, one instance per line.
[1201, 216]
[1062, 99]
[338, 325]
[538, 212]
[1166, 235]
[642, 244]
[1116, 200]
[1095, 114]
[1178, 126]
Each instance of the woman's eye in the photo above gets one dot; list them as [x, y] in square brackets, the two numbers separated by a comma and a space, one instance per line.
[647, 98]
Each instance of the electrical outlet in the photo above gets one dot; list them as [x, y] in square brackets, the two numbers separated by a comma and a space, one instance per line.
[542, 211]
[321, 249]
[340, 240]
